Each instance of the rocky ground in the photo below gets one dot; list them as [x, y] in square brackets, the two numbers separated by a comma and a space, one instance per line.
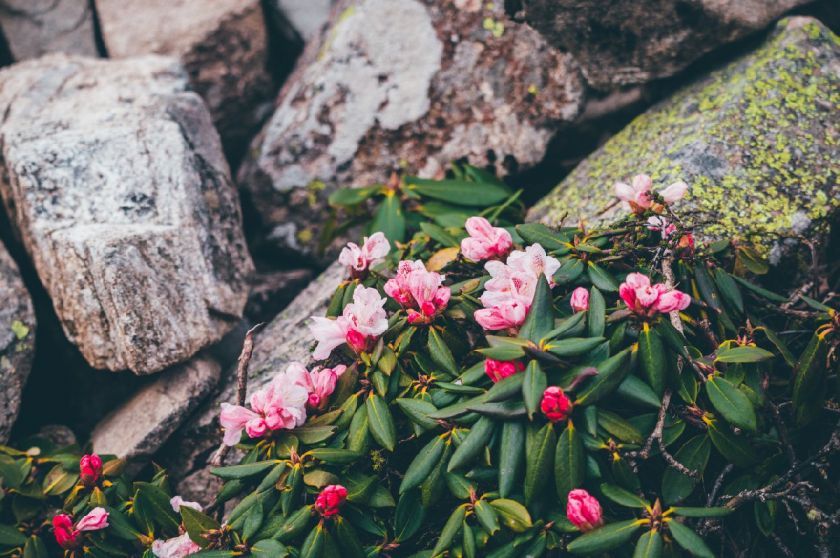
[166, 164]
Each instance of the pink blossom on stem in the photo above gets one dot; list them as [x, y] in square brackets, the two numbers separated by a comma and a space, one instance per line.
[278, 405]
[646, 300]
[319, 382]
[555, 404]
[420, 291]
[359, 259]
[485, 241]
[177, 503]
[330, 499]
[176, 547]
[360, 324]
[584, 510]
[580, 300]
[674, 192]
[636, 195]
[498, 370]
[506, 315]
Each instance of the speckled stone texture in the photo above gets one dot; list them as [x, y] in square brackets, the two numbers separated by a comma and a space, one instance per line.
[36, 27]
[620, 42]
[221, 43]
[757, 141]
[114, 179]
[411, 85]
[17, 341]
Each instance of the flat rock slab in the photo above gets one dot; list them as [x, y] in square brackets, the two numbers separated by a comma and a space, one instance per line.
[756, 140]
[115, 181]
[141, 425]
[408, 85]
[620, 42]
[221, 43]
[17, 341]
[36, 27]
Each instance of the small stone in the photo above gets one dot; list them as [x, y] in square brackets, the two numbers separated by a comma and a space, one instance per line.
[36, 27]
[58, 434]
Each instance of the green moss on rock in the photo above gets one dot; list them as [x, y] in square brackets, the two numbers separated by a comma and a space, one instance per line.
[756, 140]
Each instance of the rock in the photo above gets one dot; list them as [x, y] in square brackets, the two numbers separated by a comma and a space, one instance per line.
[452, 80]
[116, 183]
[17, 341]
[36, 27]
[756, 140]
[284, 340]
[59, 435]
[221, 43]
[307, 17]
[271, 291]
[141, 425]
[619, 42]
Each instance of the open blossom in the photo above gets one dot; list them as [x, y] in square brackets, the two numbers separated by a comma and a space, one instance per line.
[584, 510]
[507, 314]
[418, 290]
[279, 405]
[177, 503]
[485, 241]
[176, 547]
[361, 323]
[319, 383]
[498, 370]
[90, 469]
[359, 259]
[646, 300]
[330, 499]
[69, 536]
[675, 192]
[636, 195]
[555, 404]
[580, 300]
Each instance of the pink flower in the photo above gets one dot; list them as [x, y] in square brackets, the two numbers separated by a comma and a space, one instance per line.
[177, 503]
[373, 250]
[398, 288]
[319, 383]
[420, 291]
[583, 510]
[485, 241]
[69, 536]
[508, 314]
[279, 405]
[674, 192]
[96, 519]
[555, 405]
[646, 300]
[661, 224]
[361, 323]
[90, 467]
[330, 499]
[580, 300]
[636, 196]
[497, 370]
[176, 547]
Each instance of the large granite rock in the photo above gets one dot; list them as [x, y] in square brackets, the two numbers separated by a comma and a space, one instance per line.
[619, 42]
[115, 181]
[17, 341]
[221, 43]
[141, 425]
[756, 140]
[410, 85]
[36, 27]
[307, 17]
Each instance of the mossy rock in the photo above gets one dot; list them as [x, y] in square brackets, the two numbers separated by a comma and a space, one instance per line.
[757, 141]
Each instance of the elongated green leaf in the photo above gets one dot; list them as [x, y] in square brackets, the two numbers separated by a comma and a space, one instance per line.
[505, 388]
[731, 402]
[459, 192]
[637, 391]
[702, 512]
[347, 539]
[533, 386]
[152, 505]
[380, 422]
[729, 289]
[440, 353]
[35, 548]
[569, 462]
[537, 233]
[486, 515]
[513, 514]
[623, 497]
[353, 196]
[359, 432]
[450, 529]
[389, 219]
[743, 354]
[601, 278]
[439, 234]
[764, 293]
[649, 545]
[540, 318]
[269, 548]
[11, 537]
[314, 542]
[611, 373]
[809, 382]
[243, 471]
[538, 462]
[653, 359]
[418, 411]
[197, 524]
[573, 346]
[473, 444]
[604, 538]
[337, 456]
[409, 516]
[511, 456]
[597, 313]
[694, 454]
[572, 326]
[689, 540]
[570, 270]
[737, 450]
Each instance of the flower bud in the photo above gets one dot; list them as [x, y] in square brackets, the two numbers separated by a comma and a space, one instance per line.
[90, 467]
[330, 499]
[583, 510]
[66, 535]
[498, 370]
[580, 300]
[555, 405]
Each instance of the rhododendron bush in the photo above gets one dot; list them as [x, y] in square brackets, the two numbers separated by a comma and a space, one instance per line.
[480, 387]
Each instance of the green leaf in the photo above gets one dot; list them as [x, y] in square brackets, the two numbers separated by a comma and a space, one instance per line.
[537, 233]
[313, 434]
[689, 540]
[347, 538]
[570, 270]
[439, 234]
[450, 529]
[616, 426]
[511, 456]
[11, 537]
[335, 456]
[573, 346]
[743, 354]
[569, 462]
[359, 432]
[389, 219]
[440, 353]
[151, 504]
[314, 543]
[353, 196]
[418, 411]
[422, 464]
[540, 318]
[473, 444]
[729, 289]
[243, 471]
[604, 538]
[597, 313]
[653, 359]
[649, 545]
[58, 481]
[611, 373]
[702, 512]
[738, 451]
[35, 548]
[381, 423]
[637, 391]
[409, 516]
[533, 386]
[694, 454]
[513, 514]
[505, 388]
[623, 497]
[809, 380]
[459, 192]
[764, 293]
[196, 524]
[486, 515]
[601, 278]
[538, 462]
[731, 402]
[269, 548]
[295, 524]
[571, 326]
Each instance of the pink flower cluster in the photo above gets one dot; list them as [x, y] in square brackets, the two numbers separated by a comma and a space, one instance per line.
[510, 291]
[647, 300]
[319, 382]
[330, 499]
[359, 325]
[584, 510]
[555, 404]
[420, 291]
[373, 250]
[485, 242]
[637, 195]
[498, 370]
[69, 536]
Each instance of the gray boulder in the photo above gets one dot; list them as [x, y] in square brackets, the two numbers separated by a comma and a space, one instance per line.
[36, 27]
[115, 181]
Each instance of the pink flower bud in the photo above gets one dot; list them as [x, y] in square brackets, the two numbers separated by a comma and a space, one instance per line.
[583, 510]
[580, 300]
[646, 300]
[66, 535]
[90, 467]
[330, 499]
[497, 370]
[485, 241]
[96, 519]
[177, 547]
[555, 405]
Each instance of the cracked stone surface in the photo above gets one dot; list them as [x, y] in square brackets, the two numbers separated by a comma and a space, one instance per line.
[115, 181]
[17, 341]
[453, 80]
[221, 43]
[36, 27]
[619, 42]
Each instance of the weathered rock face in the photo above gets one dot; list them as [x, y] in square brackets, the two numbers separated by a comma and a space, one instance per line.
[284, 340]
[756, 140]
[306, 16]
[221, 43]
[17, 341]
[36, 27]
[452, 80]
[619, 42]
[141, 425]
[115, 180]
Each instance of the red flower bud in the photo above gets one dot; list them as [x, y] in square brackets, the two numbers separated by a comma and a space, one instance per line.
[65, 534]
[90, 467]
[497, 370]
[330, 499]
[583, 510]
[555, 405]
[357, 341]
